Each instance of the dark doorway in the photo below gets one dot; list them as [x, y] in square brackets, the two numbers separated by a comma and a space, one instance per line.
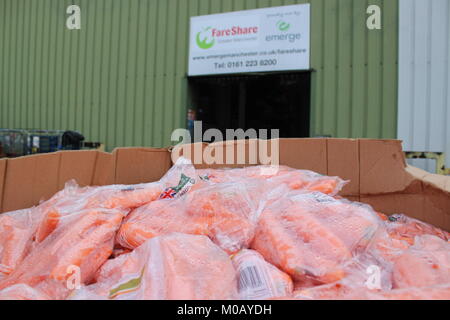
[259, 101]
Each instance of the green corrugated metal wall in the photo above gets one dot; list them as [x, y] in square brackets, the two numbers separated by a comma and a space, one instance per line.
[121, 79]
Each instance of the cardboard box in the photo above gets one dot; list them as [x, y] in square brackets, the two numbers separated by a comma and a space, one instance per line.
[376, 169]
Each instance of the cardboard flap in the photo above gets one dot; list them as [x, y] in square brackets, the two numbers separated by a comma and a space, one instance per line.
[417, 173]
[77, 165]
[409, 204]
[140, 165]
[308, 154]
[382, 167]
[29, 180]
[431, 206]
[3, 163]
[437, 207]
[343, 162]
[438, 181]
[104, 173]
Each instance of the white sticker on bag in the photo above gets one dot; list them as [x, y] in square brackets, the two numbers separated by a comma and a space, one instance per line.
[317, 196]
[252, 283]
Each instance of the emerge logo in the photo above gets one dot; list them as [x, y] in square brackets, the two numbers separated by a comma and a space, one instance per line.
[204, 43]
[283, 26]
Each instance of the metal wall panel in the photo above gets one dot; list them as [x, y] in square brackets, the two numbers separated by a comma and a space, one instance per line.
[121, 79]
[424, 78]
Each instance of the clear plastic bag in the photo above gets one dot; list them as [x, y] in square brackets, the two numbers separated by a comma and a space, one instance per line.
[390, 268]
[311, 236]
[81, 241]
[276, 176]
[402, 227]
[17, 231]
[174, 266]
[175, 182]
[258, 279]
[426, 263]
[224, 212]
[437, 292]
[22, 292]
[347, 292]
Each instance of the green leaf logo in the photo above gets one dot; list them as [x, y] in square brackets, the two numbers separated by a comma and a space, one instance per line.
[283, 26]
[203, 43]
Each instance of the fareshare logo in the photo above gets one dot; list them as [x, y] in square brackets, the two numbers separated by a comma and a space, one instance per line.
[283, 26]
[203, 41]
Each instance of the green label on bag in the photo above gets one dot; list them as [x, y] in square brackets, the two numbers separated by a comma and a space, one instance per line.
[183, 186]
[129, 286]
[184, 181]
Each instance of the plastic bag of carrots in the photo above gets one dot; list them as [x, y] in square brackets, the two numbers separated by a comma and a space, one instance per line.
[277, 176]
[258, 279]
[17, 230]
[224, 212]
[173, 267]
[311, 236]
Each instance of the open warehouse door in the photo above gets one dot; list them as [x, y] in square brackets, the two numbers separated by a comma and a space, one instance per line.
[253, 101]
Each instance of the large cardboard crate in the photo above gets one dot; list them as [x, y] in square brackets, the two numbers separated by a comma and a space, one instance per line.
[376, 169]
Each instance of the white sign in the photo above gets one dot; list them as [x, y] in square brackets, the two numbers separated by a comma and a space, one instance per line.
[271, 39]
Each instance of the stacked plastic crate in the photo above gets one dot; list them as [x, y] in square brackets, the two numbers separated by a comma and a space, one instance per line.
[14, 143]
